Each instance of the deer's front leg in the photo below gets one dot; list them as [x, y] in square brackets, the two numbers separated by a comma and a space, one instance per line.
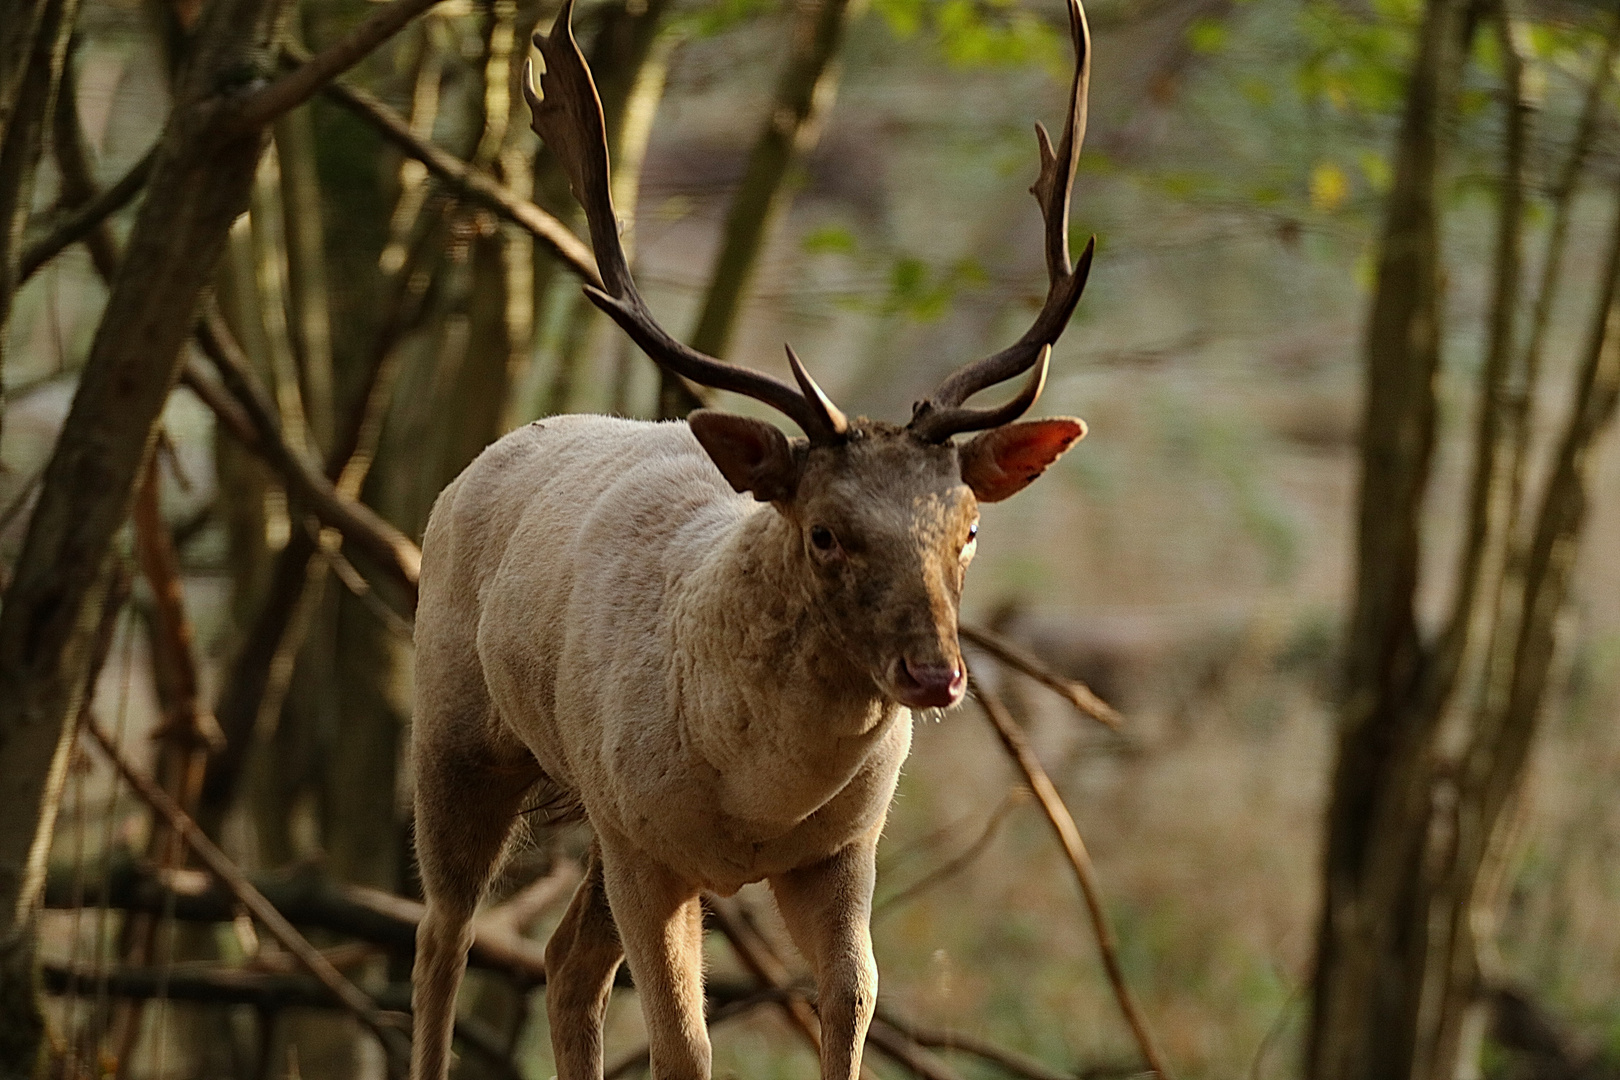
[828, 909]
[660, 924]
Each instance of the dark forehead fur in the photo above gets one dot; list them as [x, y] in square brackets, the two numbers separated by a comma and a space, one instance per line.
[883, 461]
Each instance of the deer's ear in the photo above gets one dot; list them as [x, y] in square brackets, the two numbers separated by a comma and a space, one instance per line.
[751, 454]
[1002, 461]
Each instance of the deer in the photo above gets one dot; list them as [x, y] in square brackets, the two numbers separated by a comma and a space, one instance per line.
[703, 638]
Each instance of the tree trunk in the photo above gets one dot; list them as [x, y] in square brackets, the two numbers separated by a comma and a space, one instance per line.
[200, 183]
[1362, 1023]
[1417, 836]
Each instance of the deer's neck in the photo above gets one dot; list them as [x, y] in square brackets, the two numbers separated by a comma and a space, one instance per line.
[768, 695]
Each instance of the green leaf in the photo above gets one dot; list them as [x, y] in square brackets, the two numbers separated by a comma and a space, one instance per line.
[1208, 35]
[829, 240]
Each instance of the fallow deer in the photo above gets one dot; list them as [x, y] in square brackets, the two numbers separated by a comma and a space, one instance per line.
[706, 638]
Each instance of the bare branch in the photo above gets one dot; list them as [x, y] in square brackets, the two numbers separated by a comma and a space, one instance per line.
[1081, 696]
[299, 86]
[1062, 822]
[521, 910]
[955, 865]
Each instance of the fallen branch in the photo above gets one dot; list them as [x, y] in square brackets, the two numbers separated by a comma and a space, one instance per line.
[266, 991]
[393, 1040]
[1077, 693]
[720, 1009]
[307, 899]
[519, 912]
[763, 964]
[1062, 822]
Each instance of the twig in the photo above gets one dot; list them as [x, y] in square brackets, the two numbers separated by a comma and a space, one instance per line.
[1078, 693]
[393, 1040]
[331, 551]
[1062, 822]
[297, 87]
[84, 219]
[954, 865]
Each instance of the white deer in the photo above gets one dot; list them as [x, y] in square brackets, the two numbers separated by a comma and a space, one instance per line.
[705, 638]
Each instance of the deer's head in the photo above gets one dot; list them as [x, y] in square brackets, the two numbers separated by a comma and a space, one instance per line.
[884, 517]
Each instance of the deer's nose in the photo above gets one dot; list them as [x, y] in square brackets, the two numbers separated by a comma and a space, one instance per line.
[930, 685]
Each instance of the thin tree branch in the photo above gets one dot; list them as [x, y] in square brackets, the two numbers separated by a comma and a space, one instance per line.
[520, 911]
[83, 220]
[1563, 197]
[303, 83]
[1062, 822]
[356, 1001]
[720, 1009]
[1078, 694]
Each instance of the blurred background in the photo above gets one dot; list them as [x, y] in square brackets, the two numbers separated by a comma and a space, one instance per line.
[1212, 560]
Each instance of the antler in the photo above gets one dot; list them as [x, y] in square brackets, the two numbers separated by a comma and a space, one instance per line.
[568, 117]
[941, 414]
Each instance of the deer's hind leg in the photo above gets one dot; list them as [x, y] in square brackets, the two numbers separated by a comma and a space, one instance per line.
[581, 959]
[468, 797]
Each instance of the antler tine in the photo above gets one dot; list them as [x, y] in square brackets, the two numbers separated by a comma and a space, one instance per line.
[568, 118]
[941, 423]
[937, 417]
[831, 417]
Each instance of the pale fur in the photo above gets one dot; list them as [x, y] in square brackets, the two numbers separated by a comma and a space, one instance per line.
[603, 620]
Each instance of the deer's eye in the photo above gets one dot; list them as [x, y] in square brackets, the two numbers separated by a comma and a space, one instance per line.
[972, 540]
[822, 538]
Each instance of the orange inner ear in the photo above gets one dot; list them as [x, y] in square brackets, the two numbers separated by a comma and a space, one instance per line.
[1003, 460]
